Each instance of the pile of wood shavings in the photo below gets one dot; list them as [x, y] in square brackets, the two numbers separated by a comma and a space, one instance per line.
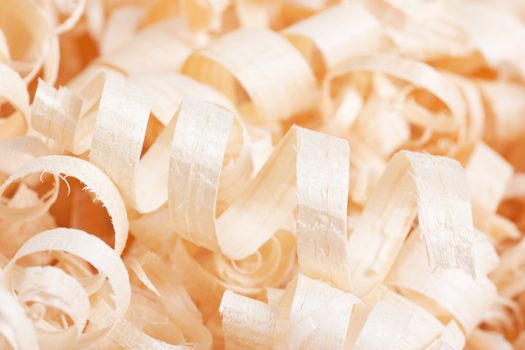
[262, 174]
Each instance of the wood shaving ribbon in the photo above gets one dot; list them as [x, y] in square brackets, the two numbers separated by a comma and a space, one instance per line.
[238, 174]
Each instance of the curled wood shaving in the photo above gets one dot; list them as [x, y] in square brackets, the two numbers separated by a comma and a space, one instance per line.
[299, 174]
[358, 33]
[16, 327]
[13, 91]
[83, 245]
[383, 225]
[279, 82]
[90, 175]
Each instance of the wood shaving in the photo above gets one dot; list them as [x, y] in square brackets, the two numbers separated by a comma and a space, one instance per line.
[261, 174]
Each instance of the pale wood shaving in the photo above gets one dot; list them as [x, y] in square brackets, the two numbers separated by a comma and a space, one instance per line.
[238, 174]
